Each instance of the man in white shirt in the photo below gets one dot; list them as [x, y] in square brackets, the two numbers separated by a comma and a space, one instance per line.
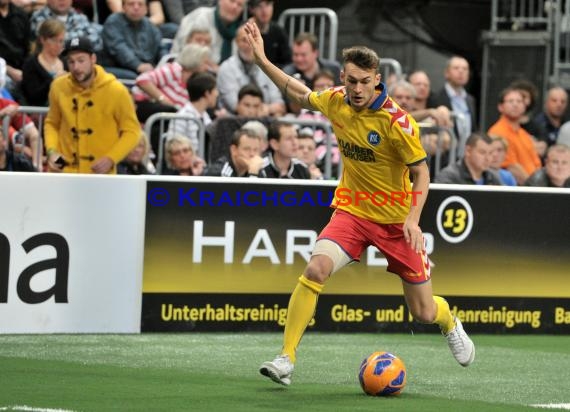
[240, 70]
[203, 96]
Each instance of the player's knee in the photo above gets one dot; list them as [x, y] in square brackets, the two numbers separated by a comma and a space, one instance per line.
[318, 270]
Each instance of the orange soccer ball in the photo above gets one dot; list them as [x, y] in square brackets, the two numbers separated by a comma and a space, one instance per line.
[382, 374]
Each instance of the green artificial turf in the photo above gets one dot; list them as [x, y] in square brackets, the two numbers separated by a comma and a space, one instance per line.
[219, 372]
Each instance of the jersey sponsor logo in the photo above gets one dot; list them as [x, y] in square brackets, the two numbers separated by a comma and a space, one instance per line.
[374, 138]
[355, 152]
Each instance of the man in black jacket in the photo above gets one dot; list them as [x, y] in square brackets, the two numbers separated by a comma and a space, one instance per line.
[281, 161]
[556, 170]
[244, 159]
[473, 169]
[454, 96]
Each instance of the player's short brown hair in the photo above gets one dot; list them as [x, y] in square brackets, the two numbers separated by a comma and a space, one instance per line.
[361, 56]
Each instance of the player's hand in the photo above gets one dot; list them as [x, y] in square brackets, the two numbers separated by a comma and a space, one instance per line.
[413, 235]
[102, 165]
[255, 40]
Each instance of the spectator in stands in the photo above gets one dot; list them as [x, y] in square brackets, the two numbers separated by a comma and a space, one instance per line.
[203, 96]
[132, 42]
[275, 39]
[137, 161]
[104, 9]
[158, 19]
[535, 129]
[439, 116]
[240, 70]
[250, 101]
[29, 6]
[107, 7]
[24, 127]
[556, 170]
[564, 134]
[14, 40]
[180, 158]
[40, 69]
[200, 34]
[323, 80]
[498, 152]
[10, 161]
[454, 96]
[76, 24]
[223, 21]
[244, 159]
[3, 92]
[403, 93]
[422, 84]
[258, 128]
[281, 161]
[552, 117]
[473, 169]
[306, 61]
[164, 88]
[522, 158]
[177, 9]
[307, 152]
[91, 124]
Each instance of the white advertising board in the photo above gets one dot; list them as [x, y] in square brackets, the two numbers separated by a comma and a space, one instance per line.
[71, 253]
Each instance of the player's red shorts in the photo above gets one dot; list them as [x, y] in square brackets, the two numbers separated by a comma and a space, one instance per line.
[354, 234]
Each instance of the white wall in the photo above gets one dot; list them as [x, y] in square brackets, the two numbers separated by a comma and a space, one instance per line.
[100, 221]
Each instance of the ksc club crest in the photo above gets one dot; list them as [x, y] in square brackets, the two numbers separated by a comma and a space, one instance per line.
[374, 138]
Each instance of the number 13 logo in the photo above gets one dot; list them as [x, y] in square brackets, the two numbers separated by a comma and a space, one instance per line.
[454, 219]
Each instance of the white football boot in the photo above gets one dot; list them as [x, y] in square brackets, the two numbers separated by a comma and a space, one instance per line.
[278, 370]
[461, 345]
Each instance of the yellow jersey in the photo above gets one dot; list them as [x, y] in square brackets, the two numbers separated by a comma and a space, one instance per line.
[377, 145]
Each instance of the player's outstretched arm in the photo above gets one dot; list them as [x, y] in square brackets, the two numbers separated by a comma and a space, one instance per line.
[292, 88]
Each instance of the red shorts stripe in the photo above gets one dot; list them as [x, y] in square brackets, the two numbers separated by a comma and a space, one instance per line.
[354, 234]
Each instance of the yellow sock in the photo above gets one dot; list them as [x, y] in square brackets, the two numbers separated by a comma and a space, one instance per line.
[301, 310]
[443, 317]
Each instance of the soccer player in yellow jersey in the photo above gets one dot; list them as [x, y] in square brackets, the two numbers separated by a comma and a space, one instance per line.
[375, 201]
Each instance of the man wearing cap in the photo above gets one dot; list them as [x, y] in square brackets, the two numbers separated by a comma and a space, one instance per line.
[91, 124]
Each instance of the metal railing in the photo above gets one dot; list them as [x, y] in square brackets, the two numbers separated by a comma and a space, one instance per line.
[561, 44]
[519, 15]
[37, 115]
[437, 157]
[164, 135]
[322, 22]
[389, 66]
